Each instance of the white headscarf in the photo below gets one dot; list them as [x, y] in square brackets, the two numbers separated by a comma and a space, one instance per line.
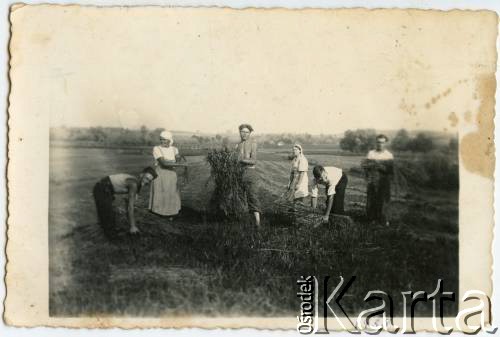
[167, 135]
[298, 146]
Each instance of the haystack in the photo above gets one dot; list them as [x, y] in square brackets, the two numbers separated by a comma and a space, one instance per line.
[226, 172]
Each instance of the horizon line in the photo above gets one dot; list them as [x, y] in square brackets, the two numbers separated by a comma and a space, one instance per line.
[256, 132]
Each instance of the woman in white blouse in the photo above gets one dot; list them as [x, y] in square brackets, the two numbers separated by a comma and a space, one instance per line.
[165, 197]
[298, 185]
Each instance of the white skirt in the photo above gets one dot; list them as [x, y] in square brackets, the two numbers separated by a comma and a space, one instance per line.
[165, 198]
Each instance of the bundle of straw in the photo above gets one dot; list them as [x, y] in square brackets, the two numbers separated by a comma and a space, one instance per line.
[407, 176]
[371, 169]
[297, 213]
[226, 172]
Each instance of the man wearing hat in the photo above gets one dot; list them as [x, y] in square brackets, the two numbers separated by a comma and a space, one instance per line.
[120, 183]
[247, 154]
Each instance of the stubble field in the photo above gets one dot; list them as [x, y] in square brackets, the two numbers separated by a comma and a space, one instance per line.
[198, 264]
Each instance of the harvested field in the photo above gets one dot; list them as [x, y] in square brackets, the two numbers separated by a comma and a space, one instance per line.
[205, 265]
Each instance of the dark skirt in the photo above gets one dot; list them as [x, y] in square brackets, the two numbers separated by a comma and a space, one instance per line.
[250, 181]
[339, 196]
[104, 197]
[378, 197]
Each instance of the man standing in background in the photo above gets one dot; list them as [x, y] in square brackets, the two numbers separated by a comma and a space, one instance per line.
[247, 156]
[379, 170]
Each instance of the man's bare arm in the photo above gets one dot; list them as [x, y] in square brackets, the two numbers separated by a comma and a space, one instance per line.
[314, 196]
[314, 202]
[329, 206]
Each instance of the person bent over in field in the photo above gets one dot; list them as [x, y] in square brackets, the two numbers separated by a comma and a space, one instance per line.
[247, 156]
[335, 181]
[120, 183]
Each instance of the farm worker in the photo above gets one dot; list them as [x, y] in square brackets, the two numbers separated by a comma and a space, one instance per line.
[379, 170]
[335, 181]
[165, 198]
[120, 183]
[298, 186]
[247, 156]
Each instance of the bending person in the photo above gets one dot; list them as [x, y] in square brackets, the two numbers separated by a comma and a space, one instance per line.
[120, 183]
[335, 181]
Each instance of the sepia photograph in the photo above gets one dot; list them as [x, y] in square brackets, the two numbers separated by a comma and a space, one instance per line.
[216, 207]
[209, 162]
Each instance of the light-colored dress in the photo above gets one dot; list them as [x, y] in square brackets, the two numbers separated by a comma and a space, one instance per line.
[300, 164]
[165, 197]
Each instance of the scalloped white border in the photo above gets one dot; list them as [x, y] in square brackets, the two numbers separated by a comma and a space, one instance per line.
[4, 35]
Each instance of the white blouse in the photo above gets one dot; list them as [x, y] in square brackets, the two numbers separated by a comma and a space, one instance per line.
[380, 155]
[333, 174]
[168, 153]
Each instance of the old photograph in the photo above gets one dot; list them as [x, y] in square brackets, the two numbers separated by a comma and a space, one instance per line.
[211, 162]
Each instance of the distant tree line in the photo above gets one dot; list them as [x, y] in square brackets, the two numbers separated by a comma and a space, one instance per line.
[149, 137]
[356, 141]
[282, 139]
[107, 136]
[363, 140]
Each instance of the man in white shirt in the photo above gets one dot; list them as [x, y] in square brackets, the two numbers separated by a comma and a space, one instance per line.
[379, 169]
[335, 181]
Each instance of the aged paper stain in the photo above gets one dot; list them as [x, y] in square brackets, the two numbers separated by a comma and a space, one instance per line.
[441, 95]
[453, 119]
[408, 108]
[468, 116]
[40, 38]
[477, 149]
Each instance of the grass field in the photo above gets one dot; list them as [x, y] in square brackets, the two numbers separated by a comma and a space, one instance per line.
[198, 264]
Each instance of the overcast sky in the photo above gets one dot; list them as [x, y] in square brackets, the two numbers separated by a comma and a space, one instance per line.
[282, 71]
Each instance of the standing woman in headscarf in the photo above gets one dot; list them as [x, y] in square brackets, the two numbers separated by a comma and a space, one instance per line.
[298, 185]
[165, 197]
